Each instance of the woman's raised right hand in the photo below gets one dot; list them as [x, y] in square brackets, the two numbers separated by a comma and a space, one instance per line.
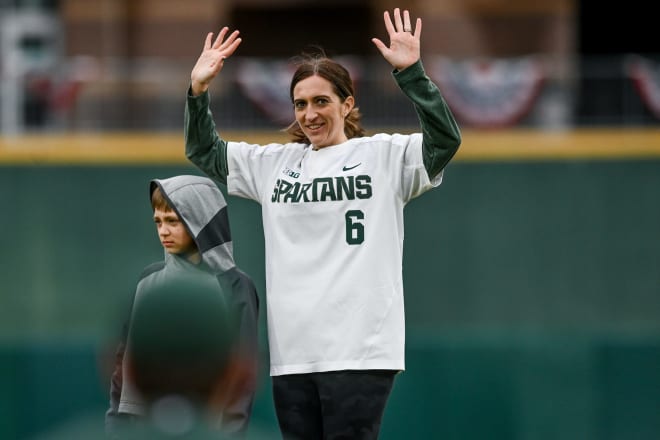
[212, 58]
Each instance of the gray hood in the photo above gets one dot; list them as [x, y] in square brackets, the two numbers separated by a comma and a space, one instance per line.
[199, 203]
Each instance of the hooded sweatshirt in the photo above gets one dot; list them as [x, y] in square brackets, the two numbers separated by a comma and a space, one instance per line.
[201, 207]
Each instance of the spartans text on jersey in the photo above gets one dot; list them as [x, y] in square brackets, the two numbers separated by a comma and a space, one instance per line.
[323, 189]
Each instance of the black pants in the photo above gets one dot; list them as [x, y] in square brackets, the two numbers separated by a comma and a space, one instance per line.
[332, 405]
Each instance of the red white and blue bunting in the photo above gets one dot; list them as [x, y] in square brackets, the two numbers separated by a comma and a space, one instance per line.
[265, 82]
[488, 92]
[484, 92]
[645, 74]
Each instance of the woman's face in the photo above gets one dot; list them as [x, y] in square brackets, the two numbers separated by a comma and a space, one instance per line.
[320, 112]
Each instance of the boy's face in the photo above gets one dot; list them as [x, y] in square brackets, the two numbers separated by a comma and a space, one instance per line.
[172, 233]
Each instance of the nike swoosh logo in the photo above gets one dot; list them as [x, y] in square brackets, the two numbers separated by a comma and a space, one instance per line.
[350, 168]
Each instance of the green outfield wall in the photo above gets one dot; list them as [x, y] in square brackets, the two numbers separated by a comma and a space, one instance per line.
[532, 296]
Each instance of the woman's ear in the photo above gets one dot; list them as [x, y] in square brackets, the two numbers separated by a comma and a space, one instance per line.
[348, 105]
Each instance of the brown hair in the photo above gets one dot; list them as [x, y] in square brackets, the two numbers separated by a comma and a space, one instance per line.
[158, 201]
[342, 84]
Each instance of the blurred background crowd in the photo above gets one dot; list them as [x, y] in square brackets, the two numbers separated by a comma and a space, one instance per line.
[124, 64]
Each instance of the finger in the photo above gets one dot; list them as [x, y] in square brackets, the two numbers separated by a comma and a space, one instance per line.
[207, 42]
[388, 22]
[221, 36]
[231, 48]
[382, 48]
[406, 21]
[229, 41]
[379, 44]
[397, 19]
[418, 28]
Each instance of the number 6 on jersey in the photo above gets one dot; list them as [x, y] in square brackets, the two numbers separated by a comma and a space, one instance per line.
[354, 229]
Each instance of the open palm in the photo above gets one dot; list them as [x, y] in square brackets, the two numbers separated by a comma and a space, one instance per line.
[404, 48]
[212, 59]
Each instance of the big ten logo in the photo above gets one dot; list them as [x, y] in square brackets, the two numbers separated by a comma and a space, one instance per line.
[289, 172]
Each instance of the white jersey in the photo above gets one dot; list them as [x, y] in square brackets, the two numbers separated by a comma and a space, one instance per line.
[333, 226]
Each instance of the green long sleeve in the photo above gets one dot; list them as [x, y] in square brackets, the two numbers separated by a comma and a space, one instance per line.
[204, 147]
[441, 134]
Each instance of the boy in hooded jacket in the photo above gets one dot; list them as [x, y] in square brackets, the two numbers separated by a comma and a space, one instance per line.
[191, 219]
